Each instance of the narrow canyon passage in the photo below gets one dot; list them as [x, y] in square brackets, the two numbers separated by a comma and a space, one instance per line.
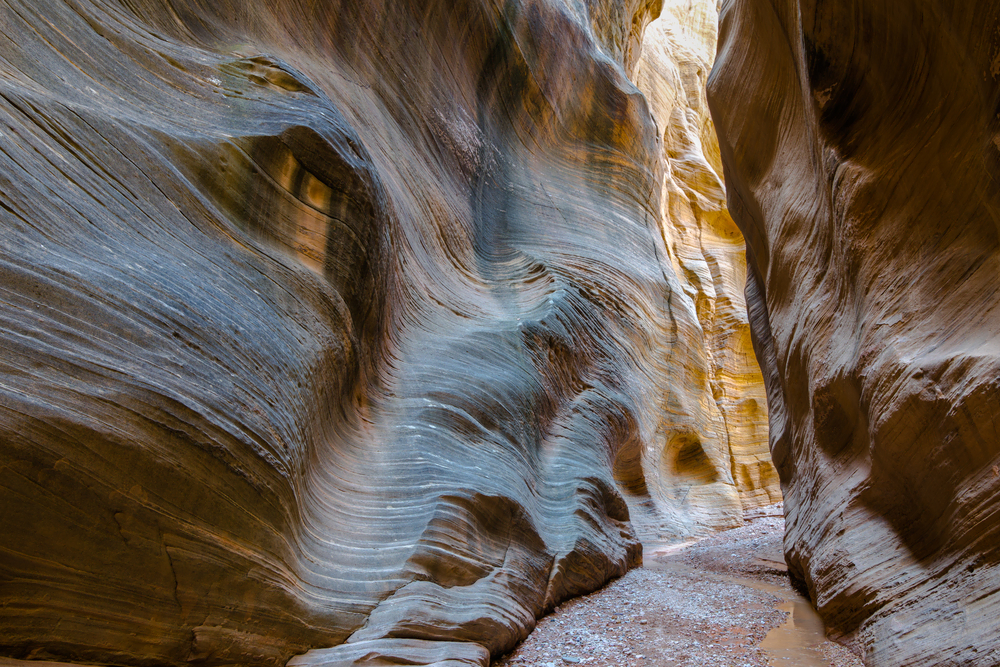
[341, 334]
[724, 600]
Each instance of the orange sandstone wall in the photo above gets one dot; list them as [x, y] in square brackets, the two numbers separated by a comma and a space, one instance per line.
[712, 461]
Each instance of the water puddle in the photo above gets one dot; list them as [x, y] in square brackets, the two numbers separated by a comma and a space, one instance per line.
[795, 643]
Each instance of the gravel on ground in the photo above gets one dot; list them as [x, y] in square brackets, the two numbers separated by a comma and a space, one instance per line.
[705, 604]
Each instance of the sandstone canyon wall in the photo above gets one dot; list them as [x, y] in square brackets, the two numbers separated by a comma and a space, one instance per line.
[862, 146]
[714, 424]
[349, 326]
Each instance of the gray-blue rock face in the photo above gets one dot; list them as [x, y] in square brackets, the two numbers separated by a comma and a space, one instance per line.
[322, 322]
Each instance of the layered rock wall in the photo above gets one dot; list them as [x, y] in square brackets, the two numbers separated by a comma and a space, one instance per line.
[861, 149]
[342, 326]
[713, 462]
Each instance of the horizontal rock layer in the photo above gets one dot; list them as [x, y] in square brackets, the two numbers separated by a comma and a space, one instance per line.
[861, 146]
[337, 330]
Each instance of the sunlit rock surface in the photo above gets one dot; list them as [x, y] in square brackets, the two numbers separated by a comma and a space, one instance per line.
[713, 461]
[862, 153]
[341, 330]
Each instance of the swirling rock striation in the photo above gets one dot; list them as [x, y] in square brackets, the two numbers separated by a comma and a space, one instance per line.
[712, 461]
[332, 326]
[861, 149]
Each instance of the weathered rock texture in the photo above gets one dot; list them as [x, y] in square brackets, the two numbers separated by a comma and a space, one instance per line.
[714, 461]
[862, 150]
[340, 325]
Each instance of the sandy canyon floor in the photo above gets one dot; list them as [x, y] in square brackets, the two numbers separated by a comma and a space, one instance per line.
[725, 600]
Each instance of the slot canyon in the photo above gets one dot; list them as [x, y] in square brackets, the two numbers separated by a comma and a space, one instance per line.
[365, 333]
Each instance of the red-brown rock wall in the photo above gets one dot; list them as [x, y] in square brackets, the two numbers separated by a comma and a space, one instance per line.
[861, 152]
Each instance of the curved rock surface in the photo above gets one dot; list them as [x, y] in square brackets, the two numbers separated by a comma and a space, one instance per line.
[714, 462]
[341, 326]
[861, 145]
